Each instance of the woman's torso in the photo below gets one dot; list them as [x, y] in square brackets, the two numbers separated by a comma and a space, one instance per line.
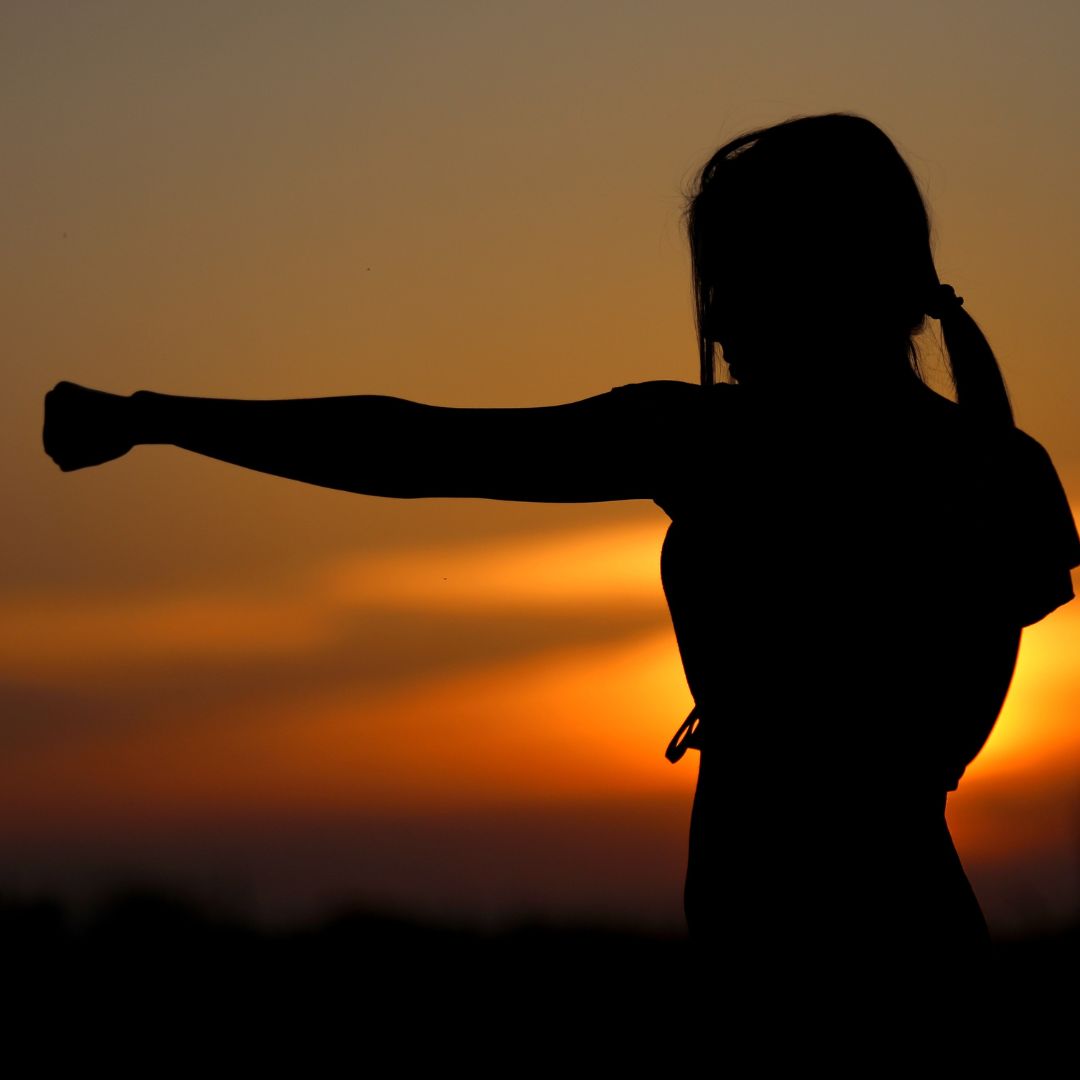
[830, 583]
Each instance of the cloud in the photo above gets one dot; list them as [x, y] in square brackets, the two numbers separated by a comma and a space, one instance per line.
[608, 571]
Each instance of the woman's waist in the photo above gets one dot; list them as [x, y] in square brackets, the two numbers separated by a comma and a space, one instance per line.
[750, 746]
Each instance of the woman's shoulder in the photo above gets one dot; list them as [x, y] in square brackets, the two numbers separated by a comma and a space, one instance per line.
[673, 398]
[678, 418]
[674, 389]
[972, 439]
[675, 427]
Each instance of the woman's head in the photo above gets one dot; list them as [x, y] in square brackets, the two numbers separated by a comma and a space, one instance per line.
[810, 240]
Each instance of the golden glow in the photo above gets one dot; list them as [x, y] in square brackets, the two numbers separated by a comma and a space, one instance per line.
[556, 724]
[607, 566]
[582, 724]
[1038, 730]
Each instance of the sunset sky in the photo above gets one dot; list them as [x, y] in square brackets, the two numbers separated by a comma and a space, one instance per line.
[224, 681]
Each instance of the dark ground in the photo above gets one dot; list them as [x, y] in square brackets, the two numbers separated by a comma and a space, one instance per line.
[144, 953]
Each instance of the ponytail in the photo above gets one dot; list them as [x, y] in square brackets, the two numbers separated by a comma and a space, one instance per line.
[976, 376]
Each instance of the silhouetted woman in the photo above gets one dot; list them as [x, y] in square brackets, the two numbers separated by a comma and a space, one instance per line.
[850, 560]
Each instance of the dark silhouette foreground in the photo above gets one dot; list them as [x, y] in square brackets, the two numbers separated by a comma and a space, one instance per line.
[189, 964]
[850, 562]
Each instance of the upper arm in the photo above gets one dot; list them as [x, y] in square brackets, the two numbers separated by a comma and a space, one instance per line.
[615, 445]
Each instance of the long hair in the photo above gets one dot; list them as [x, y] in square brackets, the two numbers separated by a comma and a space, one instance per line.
[820, 218]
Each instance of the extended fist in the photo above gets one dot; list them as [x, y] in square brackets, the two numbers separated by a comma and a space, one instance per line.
[85, 427]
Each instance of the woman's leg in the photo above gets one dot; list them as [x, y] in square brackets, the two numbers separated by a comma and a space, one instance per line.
[965, 929]
[697, 904]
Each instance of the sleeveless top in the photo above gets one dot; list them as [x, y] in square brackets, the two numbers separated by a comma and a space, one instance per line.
[847, 591]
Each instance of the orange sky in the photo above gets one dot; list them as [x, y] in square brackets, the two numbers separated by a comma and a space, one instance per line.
[214, 676]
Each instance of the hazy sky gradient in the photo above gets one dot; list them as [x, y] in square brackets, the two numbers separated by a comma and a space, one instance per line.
[463, 204]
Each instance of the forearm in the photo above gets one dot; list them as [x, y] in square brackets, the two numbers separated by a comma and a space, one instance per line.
[357, 443]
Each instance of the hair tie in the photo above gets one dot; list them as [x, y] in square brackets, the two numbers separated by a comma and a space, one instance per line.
[941, 301]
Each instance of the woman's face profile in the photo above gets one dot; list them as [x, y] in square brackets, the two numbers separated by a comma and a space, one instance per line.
[762, 313]
[746, 339]
[734, 341]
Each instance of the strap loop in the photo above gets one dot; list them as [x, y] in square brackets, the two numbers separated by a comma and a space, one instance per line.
[688, 737]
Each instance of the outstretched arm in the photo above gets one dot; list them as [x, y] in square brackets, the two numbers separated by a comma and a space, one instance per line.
[388, 446]
[594, 450]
